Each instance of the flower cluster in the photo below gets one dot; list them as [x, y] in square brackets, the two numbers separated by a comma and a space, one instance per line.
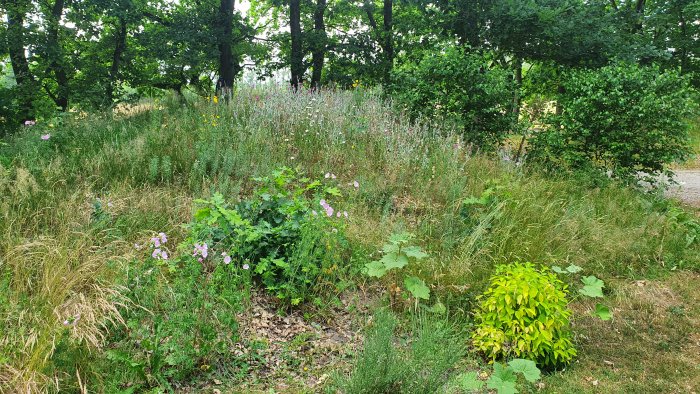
[29, 123]
[201, 250]
[227, 258]
[329, 210]
[157, 242]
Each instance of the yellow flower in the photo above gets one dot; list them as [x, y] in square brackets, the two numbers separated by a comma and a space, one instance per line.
[216, 100]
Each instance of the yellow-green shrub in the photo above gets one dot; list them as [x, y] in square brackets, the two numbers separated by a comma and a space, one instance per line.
[524, 314]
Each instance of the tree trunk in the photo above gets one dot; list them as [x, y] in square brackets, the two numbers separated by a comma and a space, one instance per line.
[20, 66]
[119, 48]
[388, 12]
[518, 78]
[226, 67]
[319, 51]
[56, 58]
[296, 58]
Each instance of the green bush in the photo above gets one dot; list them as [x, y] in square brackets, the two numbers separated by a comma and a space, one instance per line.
[293, 250]
[462, 88]
[524, 314]
[621, 118]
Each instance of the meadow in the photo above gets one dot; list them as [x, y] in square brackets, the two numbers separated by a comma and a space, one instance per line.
[90, 202]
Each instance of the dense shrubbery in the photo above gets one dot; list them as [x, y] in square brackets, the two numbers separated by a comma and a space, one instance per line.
[524, 314]
[620, 118]
[457, 86]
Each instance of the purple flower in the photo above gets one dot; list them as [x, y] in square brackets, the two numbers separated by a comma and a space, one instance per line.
[164, 255]
[329, 211]
[156, 253]
[356, 184]
[246, 266]
[163, 237]
[227, 259]
[156, 242]
[29, 123]
[202, 250]
[338, 215]
[45, 137]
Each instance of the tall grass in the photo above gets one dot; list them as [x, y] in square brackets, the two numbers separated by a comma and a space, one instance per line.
[60, 255]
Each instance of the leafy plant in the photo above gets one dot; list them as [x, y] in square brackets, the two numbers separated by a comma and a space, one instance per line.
[622, 118]
[503, 379]
[396, 255]
[592, 288]
[293, 250]
[524, 314]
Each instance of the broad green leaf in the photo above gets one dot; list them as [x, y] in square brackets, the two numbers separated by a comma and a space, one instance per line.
[469, 382]
[415, 252]
[438, 308]
[574, 269]
[527, 368]
[603, 312]
[593, 287]
[400, 238]
[417, 287]
[390, 248]
[502, 380]
[334, 191]
[375, 269]
[393, 260]
[558, 269]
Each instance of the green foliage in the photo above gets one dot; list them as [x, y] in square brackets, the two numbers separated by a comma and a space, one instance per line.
[397, 253]
[524, 313]
[592, 288]
[621, 118]
[419, 366]
[294, 251]
[180, 323]
[460, 87]
[503, 379]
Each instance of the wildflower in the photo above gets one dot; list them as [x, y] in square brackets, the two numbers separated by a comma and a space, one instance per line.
[345, 213]
[109, 204]
[156, 242]
[215, 100]
[164, 255]
[202, 250]
[333, 176]
[137, 246]
[246, 266]
[29, 123]
[314, 213]
[227, 260]
[329, 211]
[328, 175]
[156, 253]
[338, 215]
[45, 137]
[356, 184]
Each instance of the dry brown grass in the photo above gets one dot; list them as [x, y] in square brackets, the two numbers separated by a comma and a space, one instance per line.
[651, 346]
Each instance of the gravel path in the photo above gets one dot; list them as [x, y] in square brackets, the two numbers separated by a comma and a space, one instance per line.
[688, 188]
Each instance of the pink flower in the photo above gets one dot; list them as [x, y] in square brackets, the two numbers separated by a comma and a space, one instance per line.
[246, 266]
[156, 253]
[356, 184]
[338, 215]
[227, 260]
[156, 241]
[164, 255]
[45, 137]
[329, 211]
[29, 123]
